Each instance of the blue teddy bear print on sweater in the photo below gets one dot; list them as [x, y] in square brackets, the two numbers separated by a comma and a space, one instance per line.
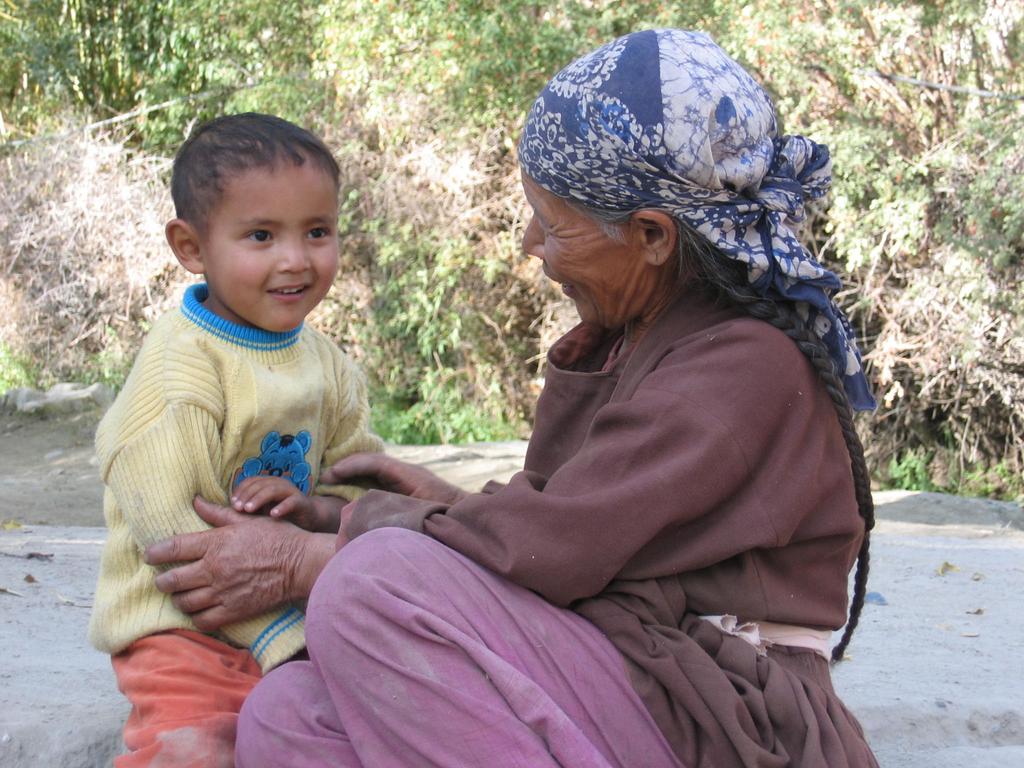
[283, 456]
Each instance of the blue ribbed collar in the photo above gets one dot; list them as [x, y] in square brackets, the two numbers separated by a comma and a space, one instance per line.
[250, 338]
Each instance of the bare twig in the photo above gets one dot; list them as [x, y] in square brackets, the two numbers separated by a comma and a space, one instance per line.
[961, 89]
[130, 115]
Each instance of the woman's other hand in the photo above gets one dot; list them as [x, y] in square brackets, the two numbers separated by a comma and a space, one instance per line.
[391, 474]
[241, 567]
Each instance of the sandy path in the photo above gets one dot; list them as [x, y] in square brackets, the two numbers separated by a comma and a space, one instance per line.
[935, 674]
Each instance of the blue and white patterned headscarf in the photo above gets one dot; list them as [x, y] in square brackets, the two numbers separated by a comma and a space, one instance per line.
[664, 119]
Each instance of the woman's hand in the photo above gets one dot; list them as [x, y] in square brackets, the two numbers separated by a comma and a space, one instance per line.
[393, 475]
[242, 567]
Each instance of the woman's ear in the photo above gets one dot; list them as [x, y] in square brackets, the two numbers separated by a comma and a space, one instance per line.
[656, 232]
[185, 242]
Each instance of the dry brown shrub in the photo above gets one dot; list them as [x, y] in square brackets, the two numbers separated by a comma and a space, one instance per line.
[949, 366]
[947, 330]
[461, 188]
[83, 260]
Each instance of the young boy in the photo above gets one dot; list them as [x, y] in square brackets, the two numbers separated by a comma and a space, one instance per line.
[231, 398]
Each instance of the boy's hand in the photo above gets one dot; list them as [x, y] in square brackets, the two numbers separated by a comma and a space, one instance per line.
[276, 497]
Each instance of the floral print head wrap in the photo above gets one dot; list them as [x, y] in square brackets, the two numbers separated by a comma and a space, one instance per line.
[664, 119]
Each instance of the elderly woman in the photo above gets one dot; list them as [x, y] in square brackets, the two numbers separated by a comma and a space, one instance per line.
[659, 585]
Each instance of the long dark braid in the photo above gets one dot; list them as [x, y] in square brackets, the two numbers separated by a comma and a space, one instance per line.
[727, 279]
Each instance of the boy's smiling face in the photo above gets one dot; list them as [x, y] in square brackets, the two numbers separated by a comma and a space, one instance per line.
[269, 250]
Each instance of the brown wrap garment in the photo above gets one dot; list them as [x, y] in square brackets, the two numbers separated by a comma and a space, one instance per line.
[703, 473]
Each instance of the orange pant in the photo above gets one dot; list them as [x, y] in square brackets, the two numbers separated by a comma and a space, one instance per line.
[186, 690]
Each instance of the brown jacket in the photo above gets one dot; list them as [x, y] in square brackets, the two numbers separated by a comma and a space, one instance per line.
[703, 473]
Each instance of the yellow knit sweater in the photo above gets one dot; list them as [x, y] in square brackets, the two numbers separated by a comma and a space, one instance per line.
[208, 402]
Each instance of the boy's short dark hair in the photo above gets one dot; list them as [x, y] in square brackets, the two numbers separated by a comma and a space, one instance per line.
[229, 145]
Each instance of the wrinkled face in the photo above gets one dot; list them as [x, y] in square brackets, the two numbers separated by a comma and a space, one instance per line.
[611, 282]
[269, 251]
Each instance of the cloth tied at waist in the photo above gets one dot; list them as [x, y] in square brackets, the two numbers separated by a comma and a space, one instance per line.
[763, 634]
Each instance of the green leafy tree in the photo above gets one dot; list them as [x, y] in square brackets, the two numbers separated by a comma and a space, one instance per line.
[109, 57]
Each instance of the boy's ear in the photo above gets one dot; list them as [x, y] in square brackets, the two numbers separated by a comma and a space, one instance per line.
[184, 241]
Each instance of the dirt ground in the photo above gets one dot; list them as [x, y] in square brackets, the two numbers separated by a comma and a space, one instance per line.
[56, 454]
[930, 675]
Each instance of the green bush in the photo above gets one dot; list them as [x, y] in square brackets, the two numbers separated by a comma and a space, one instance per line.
[15, 370]
[910, 471]
[110, 57]
[481, 62]
[423, 102]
